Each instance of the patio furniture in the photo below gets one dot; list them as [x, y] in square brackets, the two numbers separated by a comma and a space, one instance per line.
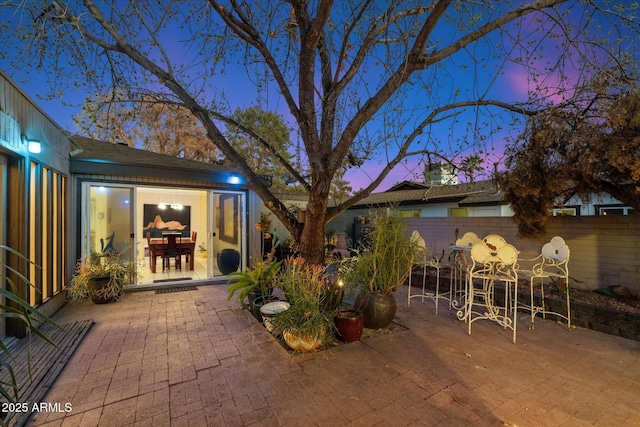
[493, 262]
[551, 264]
[460, 266]
[468, 239]
[425, 259]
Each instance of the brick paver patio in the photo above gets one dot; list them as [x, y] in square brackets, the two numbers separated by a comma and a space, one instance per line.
[194, 359]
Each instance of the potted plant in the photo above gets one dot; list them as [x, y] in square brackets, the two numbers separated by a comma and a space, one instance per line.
[265, 223]
[254, 284]
[300, 212]
[380, 268]
[100, 278]
[349, 321]
[308, 322]
[203, 250]
[349, 324]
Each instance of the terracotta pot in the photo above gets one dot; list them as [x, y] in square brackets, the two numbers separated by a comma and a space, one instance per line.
[349, 325]
[301, 344]
[378, 309]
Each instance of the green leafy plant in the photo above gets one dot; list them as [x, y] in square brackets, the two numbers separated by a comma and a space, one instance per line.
[110, 265]
[17, 308]
[202, 248]
[259, 277]
[309, 294]
[385, 263]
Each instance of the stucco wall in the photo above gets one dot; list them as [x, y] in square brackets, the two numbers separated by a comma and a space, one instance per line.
[605, 250]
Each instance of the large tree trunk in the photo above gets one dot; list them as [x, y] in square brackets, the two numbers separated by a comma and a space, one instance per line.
[312, 236]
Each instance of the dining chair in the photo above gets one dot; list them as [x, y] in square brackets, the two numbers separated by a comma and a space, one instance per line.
[187, 254]
[493, 261]
[425, 259]
[170, 250]
[459, 266]
[551, 265]
[468, 239]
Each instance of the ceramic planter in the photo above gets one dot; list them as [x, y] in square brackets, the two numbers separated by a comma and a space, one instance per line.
[378, 309]
[301, 344]
[271, 309]
[256, 304]
[349, 325]
[228, 261]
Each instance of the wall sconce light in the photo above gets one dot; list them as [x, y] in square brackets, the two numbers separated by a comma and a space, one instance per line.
[234, 179]
[33, 145]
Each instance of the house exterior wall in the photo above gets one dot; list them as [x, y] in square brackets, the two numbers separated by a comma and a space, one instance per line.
[35, 192]
[343, 223]
[440, 210]
[40, 197]
[254, 205]
[604, 249]
[591, 206]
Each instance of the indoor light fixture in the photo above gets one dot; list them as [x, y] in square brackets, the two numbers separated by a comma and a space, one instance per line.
[176, 206]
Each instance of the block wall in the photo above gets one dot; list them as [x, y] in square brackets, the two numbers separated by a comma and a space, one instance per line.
[605, 250]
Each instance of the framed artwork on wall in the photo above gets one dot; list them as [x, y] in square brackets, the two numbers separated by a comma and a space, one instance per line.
[159, 219]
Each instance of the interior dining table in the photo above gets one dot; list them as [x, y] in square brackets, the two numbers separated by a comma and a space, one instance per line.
[185, 245]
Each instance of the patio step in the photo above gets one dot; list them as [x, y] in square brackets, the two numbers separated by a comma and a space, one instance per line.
[36, 364]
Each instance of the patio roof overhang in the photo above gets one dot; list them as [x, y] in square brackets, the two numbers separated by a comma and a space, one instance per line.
[90, 156]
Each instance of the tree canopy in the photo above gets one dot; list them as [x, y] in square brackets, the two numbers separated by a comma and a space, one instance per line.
[581, 150]
[162, 128]
[361, 82]
[262, 158]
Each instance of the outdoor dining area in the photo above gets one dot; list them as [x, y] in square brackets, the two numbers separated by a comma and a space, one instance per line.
[488, 281]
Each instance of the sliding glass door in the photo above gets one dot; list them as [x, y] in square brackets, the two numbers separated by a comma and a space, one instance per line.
[118, 217]
[108, 221]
